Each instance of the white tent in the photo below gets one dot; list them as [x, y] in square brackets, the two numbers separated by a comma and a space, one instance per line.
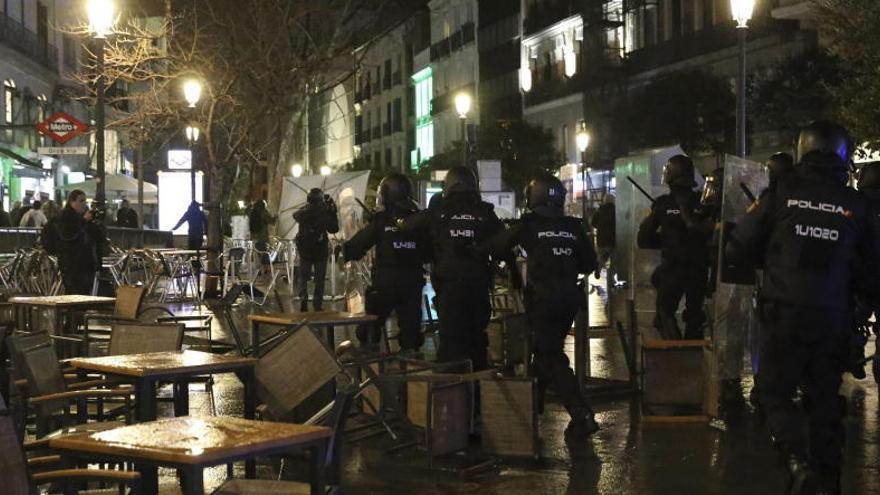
[117, 187]
[344, 187]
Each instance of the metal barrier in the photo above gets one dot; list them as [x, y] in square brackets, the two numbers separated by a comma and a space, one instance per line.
[12, 238]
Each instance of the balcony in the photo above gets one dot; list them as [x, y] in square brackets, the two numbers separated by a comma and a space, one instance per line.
[554, 88]
[14, 34]
[377, 132]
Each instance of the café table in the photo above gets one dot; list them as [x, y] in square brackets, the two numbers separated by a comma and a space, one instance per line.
[145, 370]
[63, 307]
[318, 319]
[192, 444]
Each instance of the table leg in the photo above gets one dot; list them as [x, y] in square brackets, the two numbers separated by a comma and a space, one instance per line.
[249, 380]
[149, 477]
[145, 395]
[181, 397]
[255, 339]
[316, 467]
[193, 480]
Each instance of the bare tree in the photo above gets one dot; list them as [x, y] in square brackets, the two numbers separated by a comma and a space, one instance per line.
[258, 60]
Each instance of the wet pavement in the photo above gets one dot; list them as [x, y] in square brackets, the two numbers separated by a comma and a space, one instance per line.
[731, 455]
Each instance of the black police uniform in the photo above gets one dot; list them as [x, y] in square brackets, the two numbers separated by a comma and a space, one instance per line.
[679, 226]
[398, 276]
[557, 249]
[316, 219]
[461, 274]
[809, 232]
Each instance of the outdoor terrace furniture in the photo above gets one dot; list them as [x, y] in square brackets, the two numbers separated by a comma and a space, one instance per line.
[50, 395]
[325, 320]
[146, 370]
[191, 444]
[20, 475]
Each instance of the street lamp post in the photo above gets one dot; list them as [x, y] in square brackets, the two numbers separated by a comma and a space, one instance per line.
[583, 142]
[742, 13]
[101, 15]
[192, 137]
[192, 92]
[463, 106]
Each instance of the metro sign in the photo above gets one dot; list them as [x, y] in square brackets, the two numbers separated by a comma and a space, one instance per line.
[62, 127]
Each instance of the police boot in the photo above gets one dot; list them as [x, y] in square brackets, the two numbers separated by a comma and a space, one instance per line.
[582, 424]
[304, 306]
[802, 479]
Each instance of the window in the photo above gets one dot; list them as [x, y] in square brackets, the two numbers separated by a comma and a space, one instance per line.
[387, 157]
[8, 99]
[396, 125]
[41, 115]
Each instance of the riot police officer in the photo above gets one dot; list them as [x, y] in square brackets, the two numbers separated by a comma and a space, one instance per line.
[779, 165]
[679, 226]
[557, 249]
[459, 225]
[809, 231]
[869, 185]
[397, 273]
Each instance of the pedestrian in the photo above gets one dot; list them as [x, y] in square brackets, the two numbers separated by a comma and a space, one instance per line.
[259, 220]
[78, 243]
[459, 225]
[34, 217]
[604, 224]
[557, 248]
[126, 217]
[680, 227]
[196, 225]
[317, 219]
[816, 241]
[51, 209]
[4, 217]
[15, 213]
[398, 275]
[869, 185]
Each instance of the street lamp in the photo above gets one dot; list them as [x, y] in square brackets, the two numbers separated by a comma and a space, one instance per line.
[192, 92]
[742, 13]
[583, 142]
[192, 136]
[325, 170]
[296, 170]
[101, 14]
[463, 106]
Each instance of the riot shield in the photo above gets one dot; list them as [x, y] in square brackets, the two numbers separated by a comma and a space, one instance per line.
[632, 265]
[734, 322]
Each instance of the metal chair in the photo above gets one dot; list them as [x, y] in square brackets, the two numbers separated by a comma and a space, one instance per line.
[19, 473]
[137, 338]
[336, 420]
[51, 395]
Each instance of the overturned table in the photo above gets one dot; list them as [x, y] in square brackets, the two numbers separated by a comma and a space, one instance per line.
[192, 444]
[318, 319]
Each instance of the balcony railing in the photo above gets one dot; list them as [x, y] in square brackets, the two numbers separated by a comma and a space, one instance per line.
[14, 34]
[554, 88]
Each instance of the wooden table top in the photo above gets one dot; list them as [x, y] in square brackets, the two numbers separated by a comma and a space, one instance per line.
[181, 252]
[314, 318]
[153, 364]
[193, 441]
[66, 301]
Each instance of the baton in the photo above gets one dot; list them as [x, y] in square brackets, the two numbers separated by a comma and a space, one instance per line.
[640, 188]
[747, 192]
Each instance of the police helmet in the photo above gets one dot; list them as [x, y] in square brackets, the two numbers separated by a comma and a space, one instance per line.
[545, 190]
[825, 146]
[679, 171]
[393, 189]
[315, 196]
[459, 179]
[869, 177]
[779, 165]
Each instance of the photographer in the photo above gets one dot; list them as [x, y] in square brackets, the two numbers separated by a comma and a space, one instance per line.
[80, 242]
[316, 219]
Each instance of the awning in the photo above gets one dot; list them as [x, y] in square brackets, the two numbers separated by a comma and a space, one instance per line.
[24, 161]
